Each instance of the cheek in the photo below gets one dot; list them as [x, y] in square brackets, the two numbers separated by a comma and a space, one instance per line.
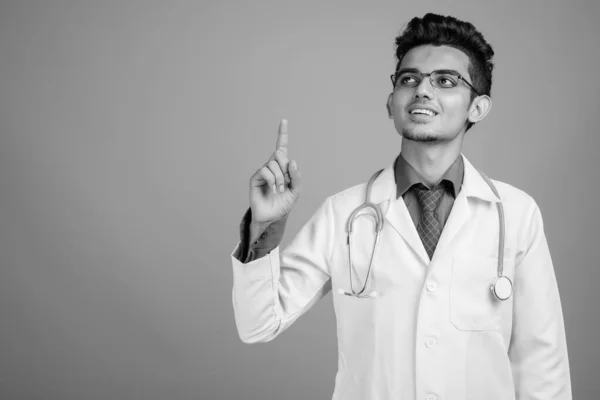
[455, 108]
[399, 103]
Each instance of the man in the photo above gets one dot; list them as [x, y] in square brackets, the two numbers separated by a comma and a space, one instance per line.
[416, 318]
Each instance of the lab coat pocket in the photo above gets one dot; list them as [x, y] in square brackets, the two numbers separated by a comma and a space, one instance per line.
[473, 306]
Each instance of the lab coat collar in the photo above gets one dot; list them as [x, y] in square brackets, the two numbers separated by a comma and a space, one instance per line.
[473, 185]
[395, 211]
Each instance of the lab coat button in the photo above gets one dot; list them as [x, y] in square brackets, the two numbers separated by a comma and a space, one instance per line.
[431, 286]
[432, 397]
[430, 343]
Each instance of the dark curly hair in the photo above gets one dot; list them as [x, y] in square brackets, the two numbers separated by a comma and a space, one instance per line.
[438, 30]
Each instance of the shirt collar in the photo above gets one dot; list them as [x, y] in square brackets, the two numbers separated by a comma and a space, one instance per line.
[407, 177]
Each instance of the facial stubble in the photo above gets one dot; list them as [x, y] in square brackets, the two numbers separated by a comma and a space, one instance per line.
[410, 134]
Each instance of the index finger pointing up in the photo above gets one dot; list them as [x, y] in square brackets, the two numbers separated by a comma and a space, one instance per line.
[282, 136]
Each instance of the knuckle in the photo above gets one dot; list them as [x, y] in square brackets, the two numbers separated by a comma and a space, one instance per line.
[282, 160]
[266, 173]
[272, 164]
[275, 171]
[280, 156]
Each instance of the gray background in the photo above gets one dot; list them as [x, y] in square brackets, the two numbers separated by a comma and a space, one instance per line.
[129, 130]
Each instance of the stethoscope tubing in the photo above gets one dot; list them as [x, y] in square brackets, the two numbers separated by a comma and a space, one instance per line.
[499, 287]
[500, 208]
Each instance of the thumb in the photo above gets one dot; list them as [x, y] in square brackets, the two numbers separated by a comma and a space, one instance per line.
[295, 178]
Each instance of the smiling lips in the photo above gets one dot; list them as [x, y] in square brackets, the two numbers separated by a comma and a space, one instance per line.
[422, 111]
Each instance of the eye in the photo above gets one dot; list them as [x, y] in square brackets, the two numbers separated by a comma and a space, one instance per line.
[446, 81]
[408, 80]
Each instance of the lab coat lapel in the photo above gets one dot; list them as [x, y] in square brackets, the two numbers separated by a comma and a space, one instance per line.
[395, 211]
[474, 186]
[457, 220]
[399, 218]
[396, 214]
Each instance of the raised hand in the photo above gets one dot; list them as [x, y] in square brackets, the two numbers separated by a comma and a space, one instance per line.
[275, 187]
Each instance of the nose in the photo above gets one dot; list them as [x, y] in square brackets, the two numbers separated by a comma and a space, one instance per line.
[424, 88]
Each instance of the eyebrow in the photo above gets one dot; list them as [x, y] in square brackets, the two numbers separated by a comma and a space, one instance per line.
[443, 71]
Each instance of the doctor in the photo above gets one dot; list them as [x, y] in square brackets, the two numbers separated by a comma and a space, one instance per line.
[416, 318]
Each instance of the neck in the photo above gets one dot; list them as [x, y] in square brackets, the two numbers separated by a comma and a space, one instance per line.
[431, 159]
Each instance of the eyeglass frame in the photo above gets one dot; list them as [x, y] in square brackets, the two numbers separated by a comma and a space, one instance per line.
[423, 75]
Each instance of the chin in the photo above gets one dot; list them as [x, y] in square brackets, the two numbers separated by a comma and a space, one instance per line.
[418, 135]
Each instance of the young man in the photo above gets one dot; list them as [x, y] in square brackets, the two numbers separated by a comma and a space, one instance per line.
[455, 296]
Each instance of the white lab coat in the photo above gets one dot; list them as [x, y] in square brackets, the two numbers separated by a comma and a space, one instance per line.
[434, 331]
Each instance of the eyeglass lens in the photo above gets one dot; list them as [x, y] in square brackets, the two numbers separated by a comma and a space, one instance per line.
[438, 79]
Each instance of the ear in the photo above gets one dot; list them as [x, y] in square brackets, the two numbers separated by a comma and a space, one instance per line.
[480, 107]
[390, 106]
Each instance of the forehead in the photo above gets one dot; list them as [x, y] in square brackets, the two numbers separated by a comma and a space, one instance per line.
[428, 58]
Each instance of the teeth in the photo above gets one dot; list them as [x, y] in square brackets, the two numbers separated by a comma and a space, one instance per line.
[422, 111]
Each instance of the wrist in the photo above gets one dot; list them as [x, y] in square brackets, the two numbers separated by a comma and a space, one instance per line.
[256, 229]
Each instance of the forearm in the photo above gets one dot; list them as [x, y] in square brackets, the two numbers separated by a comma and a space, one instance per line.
[271, 292]
[253, 296]
[538, 349]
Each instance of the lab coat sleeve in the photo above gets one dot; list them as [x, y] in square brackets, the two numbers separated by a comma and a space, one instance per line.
[538, 347]
[271, 292]
[264, 244]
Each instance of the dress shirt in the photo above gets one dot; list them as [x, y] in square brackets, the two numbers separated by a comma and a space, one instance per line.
[407, 179]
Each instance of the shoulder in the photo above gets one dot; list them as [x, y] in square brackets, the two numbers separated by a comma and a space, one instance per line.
[513, 194]
[349, 198]
[349, 193]
[341, 204]
[517, 202]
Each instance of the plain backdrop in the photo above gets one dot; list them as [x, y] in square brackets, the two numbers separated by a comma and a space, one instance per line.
[129, 130]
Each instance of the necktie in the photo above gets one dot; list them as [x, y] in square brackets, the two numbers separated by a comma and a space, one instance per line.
[429, 228]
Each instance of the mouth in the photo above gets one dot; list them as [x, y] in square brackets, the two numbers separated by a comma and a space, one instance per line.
[422, 112]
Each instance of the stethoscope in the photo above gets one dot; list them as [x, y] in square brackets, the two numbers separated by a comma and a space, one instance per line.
[501, 287]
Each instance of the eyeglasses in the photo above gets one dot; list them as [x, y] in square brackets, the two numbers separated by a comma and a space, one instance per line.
[442, 79]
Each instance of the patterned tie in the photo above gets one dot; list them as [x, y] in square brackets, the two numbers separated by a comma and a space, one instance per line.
[429, 228]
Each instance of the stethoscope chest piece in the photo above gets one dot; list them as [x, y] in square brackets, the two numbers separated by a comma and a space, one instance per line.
[502, 288]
